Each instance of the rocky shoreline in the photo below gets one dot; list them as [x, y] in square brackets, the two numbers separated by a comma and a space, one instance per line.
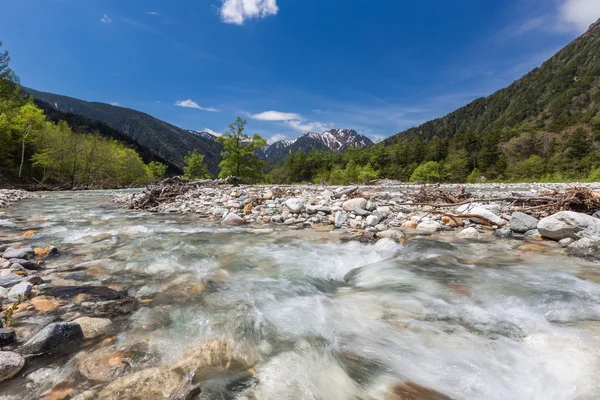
[8, 196]
[391, 210]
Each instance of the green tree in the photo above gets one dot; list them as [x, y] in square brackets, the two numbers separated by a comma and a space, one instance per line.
[456, 166]
[427, 172]
[239, 157]
[195, 167]
[475, 176]
[156, 170]
[28, 122]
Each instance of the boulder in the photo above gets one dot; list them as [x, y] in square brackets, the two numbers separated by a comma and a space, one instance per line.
[232, 219]
[26, 253]
[10, 364]
[57, 337]
[295, 205]
[568, 224]
[585, 248]
[469, 234]
[225, 385]
[340, 218]
[352, 204]
[93, 327]
[20, 290]
[372, 220]
[521, 222]
[103, 365]
[30, 265]
[429, 226]
[7, 336]
[566, 242]
[503, 233]
[153, 383]
[533, 234]
[10, 280]
[481, 211]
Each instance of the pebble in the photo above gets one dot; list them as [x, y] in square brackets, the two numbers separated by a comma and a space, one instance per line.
[20, 290]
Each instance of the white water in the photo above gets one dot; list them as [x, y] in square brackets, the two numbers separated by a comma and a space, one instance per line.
[470, 320]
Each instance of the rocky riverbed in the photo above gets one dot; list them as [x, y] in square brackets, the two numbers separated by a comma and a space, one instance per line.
[184, 301]
[390, 210]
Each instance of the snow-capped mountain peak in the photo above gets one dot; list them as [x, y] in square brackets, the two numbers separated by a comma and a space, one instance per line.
[205, 135]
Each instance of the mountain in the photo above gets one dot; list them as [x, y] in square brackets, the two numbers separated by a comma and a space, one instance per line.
[205, 135]
[82, 124]
[338, 140]
[559, 94]
[161, 138]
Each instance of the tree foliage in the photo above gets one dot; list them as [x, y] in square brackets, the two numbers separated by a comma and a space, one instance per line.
[195, 167]
[239, 157]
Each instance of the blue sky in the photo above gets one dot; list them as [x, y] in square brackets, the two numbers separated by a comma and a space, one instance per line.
[288, 66]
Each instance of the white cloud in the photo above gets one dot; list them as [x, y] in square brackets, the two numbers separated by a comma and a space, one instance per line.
[106, 19]
[115, 103]
[305, 127]
[275, 116]
[293, 120]
[212, 132]
[238, 11]
[191, 104]
[276, 138]
[580, 14]
[152, 13]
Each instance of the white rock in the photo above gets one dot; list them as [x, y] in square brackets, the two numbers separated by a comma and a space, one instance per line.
[340, 218]
[295, 205]
[394, 234]
[232, 219]
[468, 233]
[429, 226]
[372, 220]
[483, 213]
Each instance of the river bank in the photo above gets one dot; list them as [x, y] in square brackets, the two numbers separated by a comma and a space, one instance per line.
[118, 303]
[392, 210]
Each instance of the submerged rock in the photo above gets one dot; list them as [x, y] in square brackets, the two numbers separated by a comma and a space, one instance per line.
[10, 364]
[412, 391]
[93, 327]
[225, 385]
[151, 384]
[30, 265]
[585, 248]
[394, 234]
[7, 336]
[55, 338]
[26, 253]
[103, 365]
[569, 224]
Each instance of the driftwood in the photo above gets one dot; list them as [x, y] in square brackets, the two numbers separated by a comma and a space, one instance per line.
[343, 192]
[577, 198]
[170, 188]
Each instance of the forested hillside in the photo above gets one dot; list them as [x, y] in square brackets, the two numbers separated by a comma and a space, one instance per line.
[165, 140]
[545, 126]
[37, 151]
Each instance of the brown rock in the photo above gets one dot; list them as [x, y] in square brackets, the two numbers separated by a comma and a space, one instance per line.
[45, 304]
[149, 384]
[412, 391]
[63, 390]
[248, 208]
[103, 365]
[410, 224]
[29, 234]
[452, 222]
[531, 247]
[93, 327]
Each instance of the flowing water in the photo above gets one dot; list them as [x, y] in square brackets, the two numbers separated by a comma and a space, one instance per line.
[471, 320]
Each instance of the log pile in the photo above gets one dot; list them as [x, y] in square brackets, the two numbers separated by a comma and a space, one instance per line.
[169, 189]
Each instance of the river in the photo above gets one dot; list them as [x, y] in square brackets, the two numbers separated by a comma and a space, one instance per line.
[471, 320]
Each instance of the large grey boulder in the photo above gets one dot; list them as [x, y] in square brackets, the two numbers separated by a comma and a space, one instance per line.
[584, 248]
[54, 338]
[10, 364]
[10, 280]
[569, 224]
[25, 253]
[521, 222]
[351, 205]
